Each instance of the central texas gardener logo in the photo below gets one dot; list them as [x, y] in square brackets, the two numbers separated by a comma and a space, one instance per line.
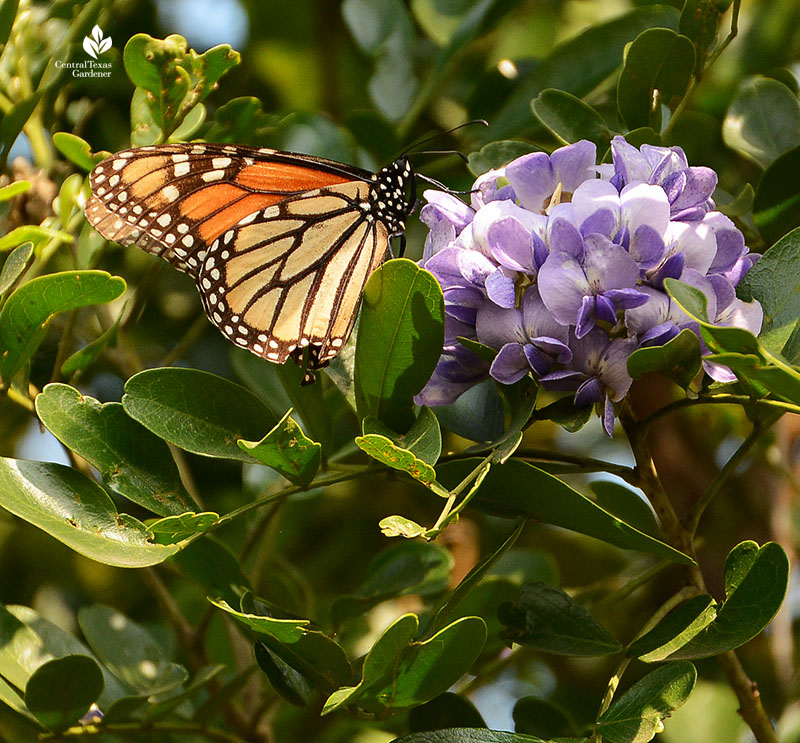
[95, 44]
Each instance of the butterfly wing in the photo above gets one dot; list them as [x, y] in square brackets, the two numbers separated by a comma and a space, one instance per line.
[280, 245]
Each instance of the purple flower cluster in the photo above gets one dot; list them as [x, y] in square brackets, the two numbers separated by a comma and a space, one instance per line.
[559, 265]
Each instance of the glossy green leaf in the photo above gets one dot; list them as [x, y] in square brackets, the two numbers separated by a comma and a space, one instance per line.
[77, 150]
[780, 379]
[548, 619]
[132, 461]
[691, 299]
[14, 266]
[8, 13]
[400, 674]
[497, 154]
[197, 411]
[738, 205]
[532, 714]
[637, 715]
[679, 359]
[129, 651]
[241, 121]
[657, 71]
[519, 489]
[578, 65]
[174, 529]
[310, 652]
[423, 439]
[385, 451]
[61, 691]
[162, 704]
[469, 735]
[27, 640]
[26, 313]
[287, 450]
[76, 511]
[212, 565]
[570, 119]
[775, 282]
[625, 504]
[14, 119]
[776, 208]
[290, 684]
[476, 415]
[407, 568]
[400, 336]
[446, 710]
[85, 357]
[675, 630]
[564, 412]
[763, 120]
[755, 580]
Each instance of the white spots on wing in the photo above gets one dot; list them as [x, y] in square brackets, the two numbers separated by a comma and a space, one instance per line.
[99, 178]
[183, 228]
[170, 238]
[180, 158]
[220, 162]
[171, 192]
[188, 241]
[271, 211]
[114, 180]
[118, 164]
[164, 220]
[213, 175]
[258, 348]
[228, 237]
[337, 342]
[206, 283]
[181, 169]
[249, 218]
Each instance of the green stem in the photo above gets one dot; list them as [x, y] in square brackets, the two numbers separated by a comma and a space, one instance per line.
[137, 729]
[629, 586]
[743, 400]
[692, 518]
[473, 480]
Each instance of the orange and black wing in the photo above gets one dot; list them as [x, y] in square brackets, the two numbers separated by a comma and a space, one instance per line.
[280, 245]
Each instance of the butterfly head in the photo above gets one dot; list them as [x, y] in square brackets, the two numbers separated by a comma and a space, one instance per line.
[394, 195]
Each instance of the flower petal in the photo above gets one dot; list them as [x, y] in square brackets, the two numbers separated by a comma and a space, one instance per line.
[562, 286]
[510, 365]
[500, 289]
[533, 179]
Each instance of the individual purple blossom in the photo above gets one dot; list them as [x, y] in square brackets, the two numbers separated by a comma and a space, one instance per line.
[528, 339]
[688, 189]
[598, 372]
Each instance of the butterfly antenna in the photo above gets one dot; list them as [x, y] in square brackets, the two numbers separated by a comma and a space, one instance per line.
[424, 140]
[442, 152]
[441, 185]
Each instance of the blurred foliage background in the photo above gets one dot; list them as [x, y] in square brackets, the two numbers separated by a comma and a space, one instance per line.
[358, 81]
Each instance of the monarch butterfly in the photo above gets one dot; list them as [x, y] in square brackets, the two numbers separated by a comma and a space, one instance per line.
[280, 245]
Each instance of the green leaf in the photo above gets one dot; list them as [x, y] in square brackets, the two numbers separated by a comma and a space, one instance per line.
[776, 208]
[14, 189]
[690, 299]
[212, 565]
[658, 68]
[400, 674]
[570, 119]
[132, 461]
[77, 150]
[468, 735]
[578, 65]
[564, 412]
[700, 21]
[8, 12]
[27, 640]
[385, 31]
[675, 630]
[164, 703]
[290, 684]
[280, 388]
[197, 411]
[61, 691]
[26, 313]
[34, 233]
[446, 710]
[423, 439]
[420, 568]
[15, 266]
[497, 154]
[129, 651]
[778, 378]
[241, 121]
[386, 452]
[533, 714]
[77, 512]
[288, 451]
[519, 489]
[548, 619]
[310, 652]
[626, 504]
[14, 119]
[400, 526]
[174, 529]
[755, 581]
[679, 359]
[85, 357]
[400, 336]
[637, 715]
[476, 415]
[763, 120]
